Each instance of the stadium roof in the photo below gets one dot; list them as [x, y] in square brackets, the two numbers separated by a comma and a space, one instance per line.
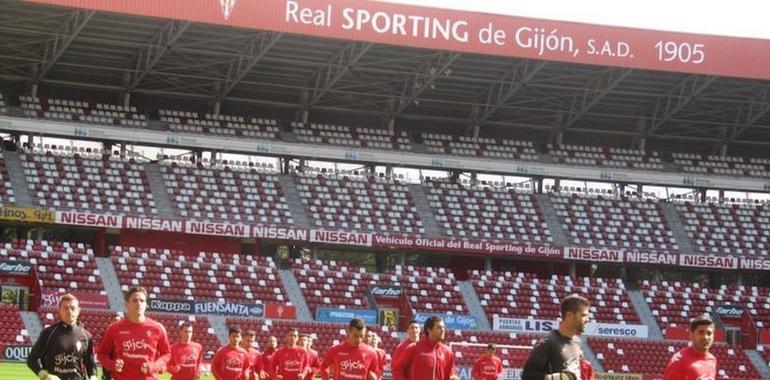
[198, 63]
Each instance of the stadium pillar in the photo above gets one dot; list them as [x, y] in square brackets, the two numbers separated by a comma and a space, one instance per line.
[314, 252]
[642, 143]
[127, 100]
[33, 90]
[392, 125]
[557, 184]
[572, 270]
[538, 185]
[402, 259]
[217, 106]
[487, 263]
[305, 116]
[721, 196]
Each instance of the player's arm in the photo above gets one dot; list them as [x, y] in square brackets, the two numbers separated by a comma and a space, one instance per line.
[38, 350]
[163, 354]
[402, 363]
[88, 358]
[536, 367]
[105, 349]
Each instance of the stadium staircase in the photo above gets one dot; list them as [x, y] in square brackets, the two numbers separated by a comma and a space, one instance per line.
[553, 221]
[159, 190]
[18, 179]
[32, 324]
[645, 314]
[219, 325]
[294, 293]
[675, 222]
[759, 363]
[296, 207]
[111, 283]
[591, 356]
[474, 305]
[425, 211]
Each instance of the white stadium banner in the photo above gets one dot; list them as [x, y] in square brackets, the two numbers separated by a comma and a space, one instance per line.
[592, 329]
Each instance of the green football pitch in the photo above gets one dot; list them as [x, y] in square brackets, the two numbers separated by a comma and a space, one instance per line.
[19, 371]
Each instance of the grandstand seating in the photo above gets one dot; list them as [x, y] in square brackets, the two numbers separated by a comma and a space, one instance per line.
[674, 303]
[604, 156]
[226, 193]
[430, 290]
[12, 330]
[203, 333]
[723, 165]
[221, 125]
[524, 295]
[615, 222]
[651, 357]
[3, 105]
[66, 179]
[61, 266]
[727, 229]
[83, 112]
[484, 147]
[6, 189]
[316, 133]
[466, 355]
[359, 202]
[487, 212]
[169, 274]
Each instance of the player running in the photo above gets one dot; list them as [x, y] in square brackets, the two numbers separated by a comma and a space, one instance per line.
[186, 355]
[352, 359]
[64, 351]
[135, 348]
[291, 361]
[231, 362]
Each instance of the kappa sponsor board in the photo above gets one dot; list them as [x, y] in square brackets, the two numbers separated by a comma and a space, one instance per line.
[230, 308]
[27, 214]
[326, 314]
[15, 268]
[15, 353]
[454, 322]
[171, 306]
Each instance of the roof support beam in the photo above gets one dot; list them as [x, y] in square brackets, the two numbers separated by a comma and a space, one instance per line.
[149, 56]
[510, 83]
[752, 113]
[423, 79]
[324, 79]
[603, 85]
[255, 51]
[67, 33]
[665, 108]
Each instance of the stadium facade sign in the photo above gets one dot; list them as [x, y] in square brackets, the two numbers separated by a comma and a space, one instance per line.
[592, 329]
[730, 311]
[154, 224]
[704, 261]
[385, 291]
[230, 309]
[341, 237]
[15, 268]
[86, 300]
[273, 311]
[89, 219]
[467, 32]
[522, 325]
[612, 330]
[334, 315]
[467, 246]
[451, 321]
[594, 254]
[27, 214]
[279, 233]
[218, 229]
[171, 306]
[15, 353]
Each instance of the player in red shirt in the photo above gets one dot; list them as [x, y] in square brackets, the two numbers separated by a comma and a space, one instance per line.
[695, 362]
[487, 366]
[313, 360]
[135, 348]
[412, 335]
[267, 356]
[231, 362]
[291, 361]
[255, 358]
[186, 355]
[352, 359]
[382, 356]
[429, 358]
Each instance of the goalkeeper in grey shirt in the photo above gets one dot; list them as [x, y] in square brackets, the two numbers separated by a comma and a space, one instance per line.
[559, 356]
[64, 350]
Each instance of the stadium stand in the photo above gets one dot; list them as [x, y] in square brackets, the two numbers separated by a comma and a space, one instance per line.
[73, 179]
[430, 290]
[358, 202]
[525, 295]
[3, 104]
[238, 193]
[60, 266]
[480, 147]
[317, 133]
[674, 303]
[614, 222]
[221, 125]
[604, 156]
[729, 229]
[651, 357]
[723, 165]
[6, 189]
[209, 276]
[83, 112]
[488, 212]
[12, 330]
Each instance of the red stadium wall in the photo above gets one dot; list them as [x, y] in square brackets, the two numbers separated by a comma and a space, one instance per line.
[189, 244]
